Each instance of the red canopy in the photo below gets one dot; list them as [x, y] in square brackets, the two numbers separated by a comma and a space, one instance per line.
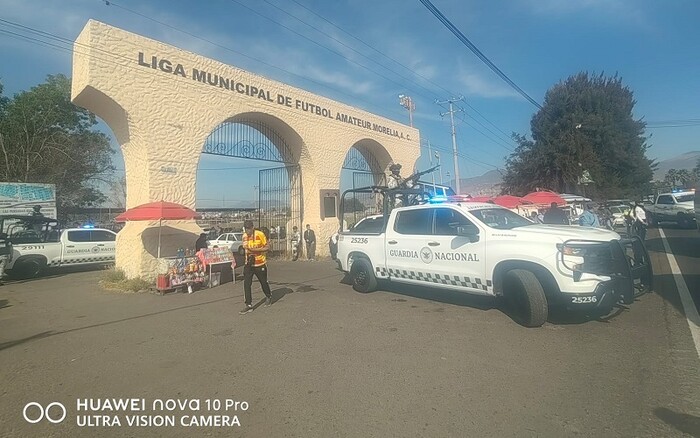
[509, 201]
[155, 211]
[544, 198]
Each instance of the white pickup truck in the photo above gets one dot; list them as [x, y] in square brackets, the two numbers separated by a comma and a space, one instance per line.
[38, 244]
[485, 249]
[674, 207]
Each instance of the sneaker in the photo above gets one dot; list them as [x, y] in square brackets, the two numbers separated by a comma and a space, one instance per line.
[248, 309]
[268, 301]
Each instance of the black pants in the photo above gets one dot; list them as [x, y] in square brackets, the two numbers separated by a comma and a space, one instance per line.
[261, 273]
[641, 230]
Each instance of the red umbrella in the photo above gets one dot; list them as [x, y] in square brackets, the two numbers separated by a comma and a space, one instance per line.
[509, 201]
[158, 211]
[544, 197]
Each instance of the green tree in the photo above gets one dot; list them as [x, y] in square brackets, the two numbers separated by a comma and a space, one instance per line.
[44, 138]
[671, 177]
[585, 125]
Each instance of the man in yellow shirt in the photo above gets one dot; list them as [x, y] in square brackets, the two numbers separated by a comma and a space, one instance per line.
[256, 246]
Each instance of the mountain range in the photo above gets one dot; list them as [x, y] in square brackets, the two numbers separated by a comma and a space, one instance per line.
[489, 184]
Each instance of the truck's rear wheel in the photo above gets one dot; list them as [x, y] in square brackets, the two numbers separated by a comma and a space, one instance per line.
[525, 298]
[363, 279]
[30, 267]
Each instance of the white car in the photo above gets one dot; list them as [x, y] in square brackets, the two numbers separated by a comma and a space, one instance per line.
[232, 240]
[618, 215]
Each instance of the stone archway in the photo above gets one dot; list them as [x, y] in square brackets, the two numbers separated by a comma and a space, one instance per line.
[162, 103]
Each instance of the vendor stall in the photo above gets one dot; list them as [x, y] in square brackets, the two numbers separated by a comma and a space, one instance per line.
[183, 270]
[218, 256]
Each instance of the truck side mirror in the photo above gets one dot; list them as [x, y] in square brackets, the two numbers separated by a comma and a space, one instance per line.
[471, 231]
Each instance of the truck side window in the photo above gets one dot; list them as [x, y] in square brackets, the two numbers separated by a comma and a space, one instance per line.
[447, 220]
[79, 236]
[101, 236]
[414, 221]
[665, 199]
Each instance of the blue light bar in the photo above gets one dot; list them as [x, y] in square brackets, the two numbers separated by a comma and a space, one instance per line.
[438, 199]
[88, 226]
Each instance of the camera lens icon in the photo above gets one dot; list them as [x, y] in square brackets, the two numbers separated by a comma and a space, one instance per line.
[33, 412]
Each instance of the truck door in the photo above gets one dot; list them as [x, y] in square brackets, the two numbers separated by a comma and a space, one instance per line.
[403, 244]
[77, 247]
[664, 206]
[459, 261]
[103, 249]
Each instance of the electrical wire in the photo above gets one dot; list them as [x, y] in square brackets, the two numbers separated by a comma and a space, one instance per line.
[451, 27]
[371, 47]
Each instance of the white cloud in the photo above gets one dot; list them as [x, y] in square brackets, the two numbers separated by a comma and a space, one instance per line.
[478, 85]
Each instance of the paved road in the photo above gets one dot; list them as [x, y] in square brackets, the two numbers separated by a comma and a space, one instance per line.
[326, 361]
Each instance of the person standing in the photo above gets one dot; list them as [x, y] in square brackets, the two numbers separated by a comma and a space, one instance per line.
[333, 245]
[640, 221]
[588, 218]
[201, 242]
[555, 215]
[296, 243]
[310, 239]
[629, 219]
[256, 248]
[5, 254]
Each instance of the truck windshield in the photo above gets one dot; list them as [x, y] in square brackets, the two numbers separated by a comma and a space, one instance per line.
[500, 218]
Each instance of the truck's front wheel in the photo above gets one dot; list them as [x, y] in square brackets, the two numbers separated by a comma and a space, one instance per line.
[525, 298]
[363, 279]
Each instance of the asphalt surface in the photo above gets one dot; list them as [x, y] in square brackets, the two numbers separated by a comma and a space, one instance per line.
[324, 360]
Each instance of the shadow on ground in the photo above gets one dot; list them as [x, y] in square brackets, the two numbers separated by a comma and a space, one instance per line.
[686, 423]
[58, 272]
[557, 315]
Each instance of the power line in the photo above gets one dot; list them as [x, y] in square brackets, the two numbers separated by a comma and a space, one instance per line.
[302, 36]
[436, 12]
[435, 84]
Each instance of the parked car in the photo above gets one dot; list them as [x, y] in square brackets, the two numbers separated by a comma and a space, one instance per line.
[618, 215]
[232, 240]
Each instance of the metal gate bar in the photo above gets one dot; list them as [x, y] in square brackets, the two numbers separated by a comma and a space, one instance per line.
[280, 205]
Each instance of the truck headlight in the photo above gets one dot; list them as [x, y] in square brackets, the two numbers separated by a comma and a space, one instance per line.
[571, 251]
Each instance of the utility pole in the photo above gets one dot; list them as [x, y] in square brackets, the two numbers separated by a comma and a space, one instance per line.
[454, 137]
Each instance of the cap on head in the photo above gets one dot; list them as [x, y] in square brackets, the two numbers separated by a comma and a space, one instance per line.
[395, 167]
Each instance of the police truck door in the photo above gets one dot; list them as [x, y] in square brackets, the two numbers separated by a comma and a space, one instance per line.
[458, 260]
[77, 246]
[403, 243]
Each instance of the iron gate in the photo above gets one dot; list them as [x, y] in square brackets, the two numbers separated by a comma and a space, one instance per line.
[280, 205]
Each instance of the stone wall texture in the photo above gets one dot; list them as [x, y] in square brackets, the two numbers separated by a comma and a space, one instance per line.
[162, 103]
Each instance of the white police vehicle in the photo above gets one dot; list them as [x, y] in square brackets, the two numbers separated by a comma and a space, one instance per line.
[486, 249]
[38, 243]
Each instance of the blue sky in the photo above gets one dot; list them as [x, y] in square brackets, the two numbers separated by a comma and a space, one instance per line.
[652, 45]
